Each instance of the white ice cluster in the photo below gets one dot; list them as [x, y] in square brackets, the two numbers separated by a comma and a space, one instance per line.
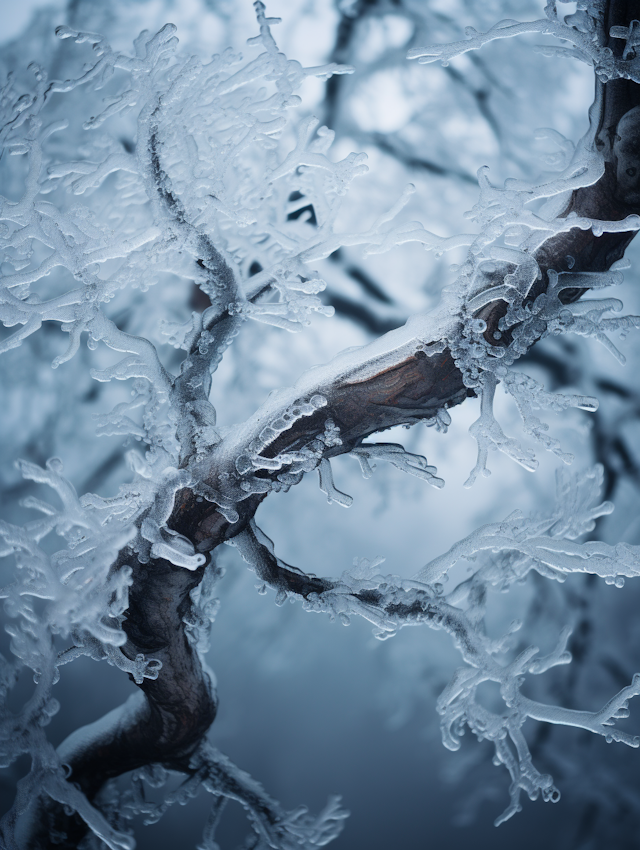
[192, 171]
[579, 29]
[499, 555]
[502, 268]
[72, 595]
[211, 163]
[214, 773]
[143, 167]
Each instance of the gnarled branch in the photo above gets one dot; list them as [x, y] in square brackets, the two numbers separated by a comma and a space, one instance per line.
[405, 376]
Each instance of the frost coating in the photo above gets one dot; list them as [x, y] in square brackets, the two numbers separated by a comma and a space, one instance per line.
[172, 194]
[514, 548]
[214, 773]
[205, 190]
[185, 201]
[75, 594]
[503, 267]
[580, 30]
[368, 453]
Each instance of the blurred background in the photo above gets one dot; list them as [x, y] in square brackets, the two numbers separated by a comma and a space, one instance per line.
[308, 707]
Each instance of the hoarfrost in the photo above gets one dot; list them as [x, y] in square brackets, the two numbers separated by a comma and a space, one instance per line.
[506, 553]
[211, 186]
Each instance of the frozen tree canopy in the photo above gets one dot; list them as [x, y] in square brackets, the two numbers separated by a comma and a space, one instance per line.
[164, 213]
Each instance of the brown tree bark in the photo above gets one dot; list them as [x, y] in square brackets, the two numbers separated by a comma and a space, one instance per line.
[179, 706]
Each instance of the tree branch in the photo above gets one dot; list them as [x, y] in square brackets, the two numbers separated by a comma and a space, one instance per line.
[405, 376]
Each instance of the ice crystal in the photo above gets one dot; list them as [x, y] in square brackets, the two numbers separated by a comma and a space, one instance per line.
[215, 182]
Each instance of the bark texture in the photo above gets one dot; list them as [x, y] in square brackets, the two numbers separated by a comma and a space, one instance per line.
[177, 708]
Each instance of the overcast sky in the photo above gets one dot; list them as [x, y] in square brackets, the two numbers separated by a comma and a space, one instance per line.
[15, 16]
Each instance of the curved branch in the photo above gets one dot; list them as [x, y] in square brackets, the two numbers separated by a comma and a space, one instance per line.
[405, 376]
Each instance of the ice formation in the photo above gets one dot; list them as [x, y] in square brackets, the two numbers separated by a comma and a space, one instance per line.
[210, 186]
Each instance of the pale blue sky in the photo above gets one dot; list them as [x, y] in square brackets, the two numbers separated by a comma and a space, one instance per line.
[14, 16]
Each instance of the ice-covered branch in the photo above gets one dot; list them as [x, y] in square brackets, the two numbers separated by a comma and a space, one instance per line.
[210, 770]
[390, 603]
[583, 30]
[208, 192]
